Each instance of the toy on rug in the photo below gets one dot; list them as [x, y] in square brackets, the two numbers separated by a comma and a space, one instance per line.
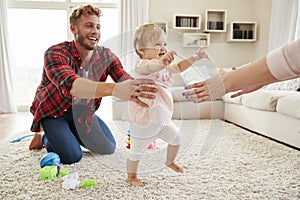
[49, 159]
[151, 146]
[88, 183]
[70, 182]
[128, 140]
[21, 138]
[48, 172]
[51, 168]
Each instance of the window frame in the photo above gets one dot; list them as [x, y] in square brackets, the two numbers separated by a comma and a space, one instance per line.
[67, 5]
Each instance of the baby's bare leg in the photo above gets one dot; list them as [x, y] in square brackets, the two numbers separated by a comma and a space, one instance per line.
[171, 155]
[36, 142]
[132, 179]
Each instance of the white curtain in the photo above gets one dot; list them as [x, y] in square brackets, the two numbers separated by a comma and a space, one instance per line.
[7, 99]
[284, 22]
[133, 14]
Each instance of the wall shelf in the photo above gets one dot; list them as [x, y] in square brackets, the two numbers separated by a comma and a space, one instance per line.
[163, 25]
[188, 22]
[242, 31]
[215, 20]
[196, 40]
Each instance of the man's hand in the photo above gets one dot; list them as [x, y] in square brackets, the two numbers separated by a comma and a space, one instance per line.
[134, 89]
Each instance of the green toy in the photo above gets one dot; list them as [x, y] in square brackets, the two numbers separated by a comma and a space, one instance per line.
[88, 183]
[48, 172]
[64, 172]
[51, 172]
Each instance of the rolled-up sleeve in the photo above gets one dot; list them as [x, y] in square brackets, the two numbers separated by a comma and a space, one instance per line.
[284, 62]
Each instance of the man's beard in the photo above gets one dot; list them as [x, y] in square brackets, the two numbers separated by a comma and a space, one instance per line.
[80, 40]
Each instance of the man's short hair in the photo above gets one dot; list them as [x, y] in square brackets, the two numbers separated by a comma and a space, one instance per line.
[84, 10]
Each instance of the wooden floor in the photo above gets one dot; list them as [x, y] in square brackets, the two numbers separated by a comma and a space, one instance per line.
[11, 124]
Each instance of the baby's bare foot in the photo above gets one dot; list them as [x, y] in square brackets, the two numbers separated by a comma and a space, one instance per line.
[176, 167]
[135, 182]
[36, 142]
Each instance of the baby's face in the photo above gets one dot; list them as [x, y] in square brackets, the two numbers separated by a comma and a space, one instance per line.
[155, 49]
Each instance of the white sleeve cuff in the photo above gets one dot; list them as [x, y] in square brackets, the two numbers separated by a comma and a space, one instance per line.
[284, 62]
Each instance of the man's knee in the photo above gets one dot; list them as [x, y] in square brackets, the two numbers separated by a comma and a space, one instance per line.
[71, 157]
[109, 149]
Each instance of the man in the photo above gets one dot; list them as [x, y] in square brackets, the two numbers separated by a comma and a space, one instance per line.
[73, 83]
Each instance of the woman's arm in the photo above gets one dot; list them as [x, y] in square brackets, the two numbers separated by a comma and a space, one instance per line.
[280, 64]
[256, 73]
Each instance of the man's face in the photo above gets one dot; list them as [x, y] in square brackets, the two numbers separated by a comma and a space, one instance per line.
[87, 31]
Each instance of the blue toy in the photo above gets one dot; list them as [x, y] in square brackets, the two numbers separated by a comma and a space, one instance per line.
[21, 138]
[49, 159]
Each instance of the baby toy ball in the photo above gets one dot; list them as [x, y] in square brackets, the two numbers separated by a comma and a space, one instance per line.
[49, 159]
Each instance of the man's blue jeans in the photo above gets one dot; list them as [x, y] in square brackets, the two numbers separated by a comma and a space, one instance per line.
[63, 135]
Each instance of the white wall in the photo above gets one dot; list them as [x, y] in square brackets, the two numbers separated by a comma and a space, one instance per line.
[225, 54]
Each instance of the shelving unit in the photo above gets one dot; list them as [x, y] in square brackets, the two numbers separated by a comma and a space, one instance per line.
[163, 25]
[215, 20]
[241, 31]
[196, 40]
[188, 22]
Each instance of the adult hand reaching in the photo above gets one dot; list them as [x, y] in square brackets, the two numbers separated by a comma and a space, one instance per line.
[247, 89]
[214, 88]
[135, 89]
[208, 90]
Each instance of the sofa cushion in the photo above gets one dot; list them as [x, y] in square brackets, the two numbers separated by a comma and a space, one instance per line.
[195, 74]
[177, 80]
[264, 99]
[205, 110]
[293, 84]
[289, 105]
[236, 100]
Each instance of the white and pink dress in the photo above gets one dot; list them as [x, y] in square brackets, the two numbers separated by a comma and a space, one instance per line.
[148, 124]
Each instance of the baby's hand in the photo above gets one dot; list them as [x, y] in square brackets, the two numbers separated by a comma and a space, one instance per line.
[200, 54]
[167, 58]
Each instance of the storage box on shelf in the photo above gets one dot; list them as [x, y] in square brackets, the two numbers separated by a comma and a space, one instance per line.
[215, 20]
[195, 40]
[191, 22]
[242, 31]
[163, 25]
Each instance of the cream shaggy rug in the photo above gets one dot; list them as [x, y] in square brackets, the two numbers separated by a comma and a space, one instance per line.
[221, 161]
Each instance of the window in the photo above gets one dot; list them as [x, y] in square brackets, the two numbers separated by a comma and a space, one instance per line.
[297, 32]
[33, 28]
[32, 32]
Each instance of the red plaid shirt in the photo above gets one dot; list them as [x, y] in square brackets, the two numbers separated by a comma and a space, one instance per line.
[61, 67]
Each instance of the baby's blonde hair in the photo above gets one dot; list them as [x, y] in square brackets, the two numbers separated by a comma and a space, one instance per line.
[145, 33]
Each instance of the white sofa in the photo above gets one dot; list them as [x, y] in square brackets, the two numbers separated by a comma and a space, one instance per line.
[273, 111]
